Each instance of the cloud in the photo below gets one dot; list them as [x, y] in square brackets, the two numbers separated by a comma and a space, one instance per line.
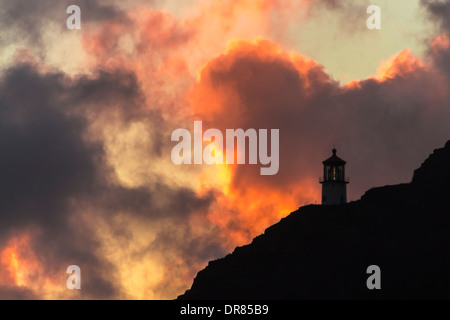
[348, 12]
[439, 11]
[29, 19]
[383, 128]
[46, 164]
[86, 175]
[15, 293]
[44, 158]
[54, 168]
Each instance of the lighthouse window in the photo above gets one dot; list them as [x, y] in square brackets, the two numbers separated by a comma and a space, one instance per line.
[327, 173]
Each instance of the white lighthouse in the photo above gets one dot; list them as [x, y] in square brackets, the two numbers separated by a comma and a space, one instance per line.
[334, 182]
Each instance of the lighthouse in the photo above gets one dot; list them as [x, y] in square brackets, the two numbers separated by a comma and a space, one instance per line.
[334, 182]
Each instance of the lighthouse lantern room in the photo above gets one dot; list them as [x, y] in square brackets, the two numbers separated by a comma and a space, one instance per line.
[334, 182]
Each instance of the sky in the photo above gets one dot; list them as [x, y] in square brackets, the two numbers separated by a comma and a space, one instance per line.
[86, 117]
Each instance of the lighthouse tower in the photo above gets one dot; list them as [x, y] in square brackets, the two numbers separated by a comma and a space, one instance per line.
[334, 182]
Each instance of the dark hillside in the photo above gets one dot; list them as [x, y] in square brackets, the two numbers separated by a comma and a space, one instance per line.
[323, 251]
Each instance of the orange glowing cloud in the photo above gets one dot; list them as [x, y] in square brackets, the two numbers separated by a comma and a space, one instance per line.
[20, 267]
[399, 65]
[13, 259]
[167, 53]
[440, 42]
[249, 203]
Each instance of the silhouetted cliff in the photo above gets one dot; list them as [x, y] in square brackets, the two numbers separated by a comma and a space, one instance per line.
[324, 251]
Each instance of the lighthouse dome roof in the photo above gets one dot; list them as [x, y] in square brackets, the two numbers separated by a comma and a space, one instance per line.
[334, 159]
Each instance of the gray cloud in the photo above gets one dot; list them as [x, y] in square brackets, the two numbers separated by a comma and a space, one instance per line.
[439, 11]
[16, 293]
[348, 11]
[45, 163]
[25, 21]
[49, 171]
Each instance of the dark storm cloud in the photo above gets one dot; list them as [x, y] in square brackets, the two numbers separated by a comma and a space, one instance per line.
[49, 171]
[16, 293]
[178, 203]
[117, 89]
[26, 20]
[42, 154]
[439, 10]
[45, 162]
